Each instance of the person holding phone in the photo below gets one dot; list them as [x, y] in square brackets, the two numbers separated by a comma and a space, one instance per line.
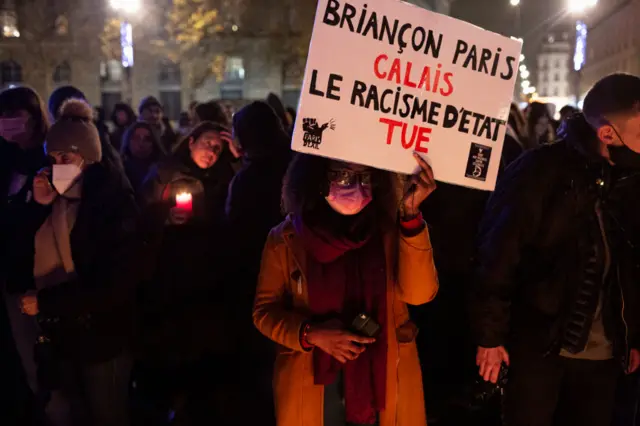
[73, 257]
[341, 266]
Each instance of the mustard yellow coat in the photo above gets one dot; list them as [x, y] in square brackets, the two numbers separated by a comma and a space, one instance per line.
[281, 307]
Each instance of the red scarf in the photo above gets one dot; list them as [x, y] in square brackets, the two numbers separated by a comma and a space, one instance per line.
[346, 278]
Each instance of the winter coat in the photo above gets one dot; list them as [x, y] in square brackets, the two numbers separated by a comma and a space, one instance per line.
[254, 205]
[92, 315]
[183, 299]
[538, 279]
[281, 308]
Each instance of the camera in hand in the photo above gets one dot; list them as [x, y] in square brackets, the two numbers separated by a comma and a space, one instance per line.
[365, 325]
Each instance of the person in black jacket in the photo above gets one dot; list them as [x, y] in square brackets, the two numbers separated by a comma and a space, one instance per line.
[556, 295]
[185, 337]
[23, 127]
[71, 275]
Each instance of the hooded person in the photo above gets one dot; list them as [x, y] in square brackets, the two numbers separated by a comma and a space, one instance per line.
[122, 117]
[140, 150]
[274, 102]
[151, 111]
[73, 277]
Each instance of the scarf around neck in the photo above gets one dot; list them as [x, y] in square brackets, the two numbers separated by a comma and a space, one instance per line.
[345, 278]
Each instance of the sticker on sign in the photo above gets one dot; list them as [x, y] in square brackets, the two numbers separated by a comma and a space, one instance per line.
[387, 79]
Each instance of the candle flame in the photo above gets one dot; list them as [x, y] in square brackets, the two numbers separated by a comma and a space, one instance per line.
[183, 197]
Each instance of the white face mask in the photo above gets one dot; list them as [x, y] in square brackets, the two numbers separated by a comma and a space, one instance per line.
[64, 176]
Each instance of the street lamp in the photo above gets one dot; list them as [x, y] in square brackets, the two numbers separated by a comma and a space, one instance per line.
[516, 4]
[126, 6]
[580, 6]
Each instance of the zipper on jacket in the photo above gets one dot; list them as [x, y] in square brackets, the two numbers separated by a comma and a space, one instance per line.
[626, 327]
[599, 214]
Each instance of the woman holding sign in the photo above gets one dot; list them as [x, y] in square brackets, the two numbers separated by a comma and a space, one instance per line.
[336, 278]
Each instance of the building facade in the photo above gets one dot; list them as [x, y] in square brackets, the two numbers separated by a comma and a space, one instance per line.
[44, 45]
[613, 41]
[50, 43]
[554, 68]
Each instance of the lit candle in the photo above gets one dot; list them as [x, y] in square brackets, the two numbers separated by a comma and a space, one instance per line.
[184, 201]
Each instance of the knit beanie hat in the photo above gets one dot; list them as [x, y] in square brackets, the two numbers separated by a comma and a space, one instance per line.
[75, 132]
[148, 102]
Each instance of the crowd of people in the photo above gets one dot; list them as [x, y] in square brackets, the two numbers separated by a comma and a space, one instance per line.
[209, 275]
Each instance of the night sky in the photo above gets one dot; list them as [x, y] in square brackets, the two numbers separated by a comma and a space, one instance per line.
[499, 16]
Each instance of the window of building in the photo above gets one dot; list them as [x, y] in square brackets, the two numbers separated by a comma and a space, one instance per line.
[11, 72]
[171, 101]
[62, 73]
[229, 93]
[62, 25]
[556, 92]
[169, 73]
[9, 22]
[234, 69]
[556, 77]
[111, 71]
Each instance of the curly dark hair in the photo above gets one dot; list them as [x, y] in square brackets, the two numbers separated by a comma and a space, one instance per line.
[306, 186]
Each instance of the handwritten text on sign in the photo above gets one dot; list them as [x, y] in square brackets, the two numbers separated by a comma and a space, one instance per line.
[386, 78]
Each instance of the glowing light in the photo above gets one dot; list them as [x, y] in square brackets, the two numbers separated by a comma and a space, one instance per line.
[521, 57]
[579, 56]
[523, 68]
[580, 6]
[126, 42]
[525, 84]
[234, 28]
[514, 2]
[127, 6]
[524, 74]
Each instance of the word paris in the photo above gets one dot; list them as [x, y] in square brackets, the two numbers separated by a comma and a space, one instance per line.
[384, 80]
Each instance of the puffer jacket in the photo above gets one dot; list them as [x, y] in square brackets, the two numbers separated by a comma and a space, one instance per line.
[542, 247]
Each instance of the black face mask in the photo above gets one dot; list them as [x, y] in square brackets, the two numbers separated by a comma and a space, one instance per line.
[623, 156]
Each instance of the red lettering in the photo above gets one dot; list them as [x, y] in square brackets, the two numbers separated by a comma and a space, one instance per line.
[437, 81]
[425, 79]
[395, 71]
[392, 126]
[423, 136]
[407, 76]
[376, 67]
[406, 145]
[447, 80]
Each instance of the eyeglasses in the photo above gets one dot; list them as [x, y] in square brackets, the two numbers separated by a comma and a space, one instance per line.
[346, 178]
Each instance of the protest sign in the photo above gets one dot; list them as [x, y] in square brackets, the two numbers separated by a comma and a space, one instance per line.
[385, 79]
